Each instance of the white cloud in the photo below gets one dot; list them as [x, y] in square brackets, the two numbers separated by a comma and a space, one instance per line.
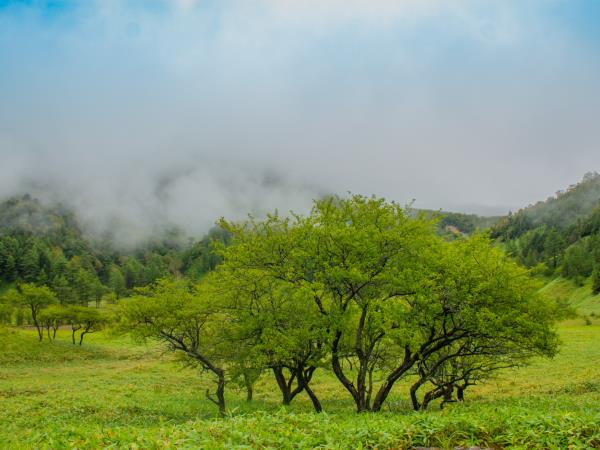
[213, 109]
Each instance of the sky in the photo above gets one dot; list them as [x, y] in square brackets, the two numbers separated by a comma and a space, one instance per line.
[144, 114]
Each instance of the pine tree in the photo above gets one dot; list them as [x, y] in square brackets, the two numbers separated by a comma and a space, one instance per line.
[596, 280]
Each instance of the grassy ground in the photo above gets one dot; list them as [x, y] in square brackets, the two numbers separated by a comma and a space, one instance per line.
[111, 393]
[579, 297]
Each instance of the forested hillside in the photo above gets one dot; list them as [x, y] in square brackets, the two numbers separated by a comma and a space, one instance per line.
[47, 246]
[559, 236]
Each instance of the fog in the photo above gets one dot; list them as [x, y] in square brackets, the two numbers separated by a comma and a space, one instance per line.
[144, 115]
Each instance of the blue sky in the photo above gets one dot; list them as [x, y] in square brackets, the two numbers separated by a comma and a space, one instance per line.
[470, 105]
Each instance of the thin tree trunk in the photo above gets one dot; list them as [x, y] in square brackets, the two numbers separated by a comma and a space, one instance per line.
[413, 395]
[249, 387]
[314, 399]
[220, 392]
[37, 325]
[221, 395]
[283, 385]
[388, 384]
[339, 371]
[83, 333]
[363, 366]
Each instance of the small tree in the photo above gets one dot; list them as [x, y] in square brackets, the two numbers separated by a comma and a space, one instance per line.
[88, 320]
[183, 317]
[6, 312]
[34, 298]
[70, 318]
[596, 280]
[51, 318]
[488, 311]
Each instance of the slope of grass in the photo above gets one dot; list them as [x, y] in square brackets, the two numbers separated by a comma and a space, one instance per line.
[580, 297]
[112, 394]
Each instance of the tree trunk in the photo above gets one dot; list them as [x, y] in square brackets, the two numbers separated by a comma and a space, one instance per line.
[83, 333]
[315, 400]
[448, 391]
[363, 359]
[249, 386]
[388, 384]
[339, 372]
[304, 377]
[36, 323]
[220, 392]
[283, 385]
[413, 395]
[221, 395]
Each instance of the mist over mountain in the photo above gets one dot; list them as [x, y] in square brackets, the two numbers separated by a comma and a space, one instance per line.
[137, 199]
[141, 116]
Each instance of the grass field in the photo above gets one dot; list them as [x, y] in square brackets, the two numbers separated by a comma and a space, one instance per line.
[579, 297]
[111, 393]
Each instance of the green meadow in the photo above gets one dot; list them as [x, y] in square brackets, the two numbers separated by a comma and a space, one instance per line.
[111, 393]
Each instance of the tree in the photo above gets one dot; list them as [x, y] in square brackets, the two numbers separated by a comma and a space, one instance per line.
[70, 317]
[65, 292]
[87, 320]
[488, 311]
[6, 312]
[51, 318]
[578, 261]
[596, 280]
[355, 260]
[182, 316]
[28, 263]
[133, 273]
[8, 250]
[116, 281]
[554, 246]
[390, 292]
[34, 298]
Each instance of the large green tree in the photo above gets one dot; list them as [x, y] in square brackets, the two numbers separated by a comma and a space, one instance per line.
[390, 292]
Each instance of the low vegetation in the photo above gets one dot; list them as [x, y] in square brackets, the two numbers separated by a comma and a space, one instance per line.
[113, 394]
